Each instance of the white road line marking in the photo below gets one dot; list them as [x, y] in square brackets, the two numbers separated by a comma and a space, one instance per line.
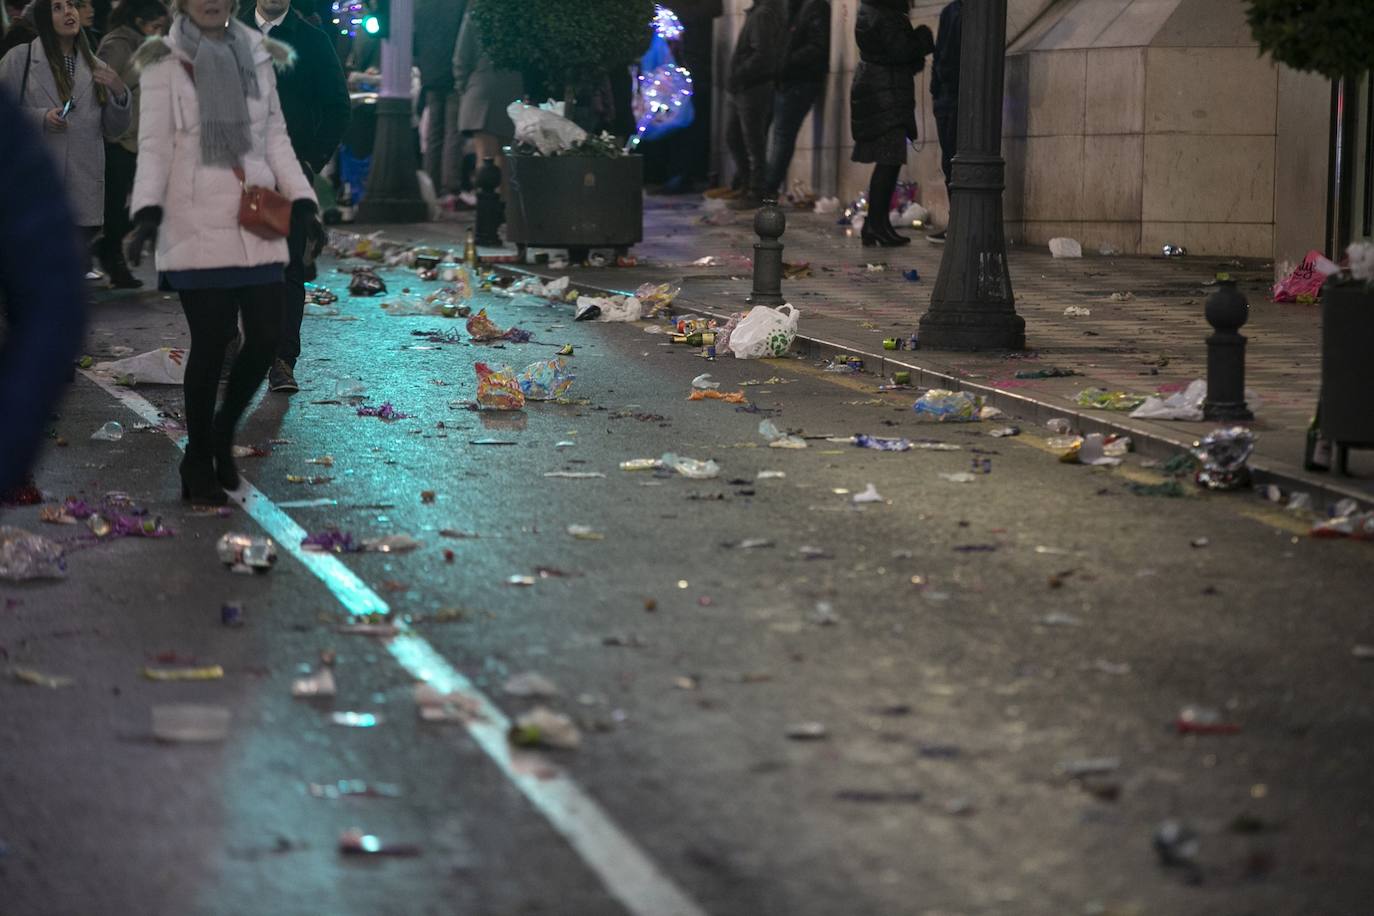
[626, 871]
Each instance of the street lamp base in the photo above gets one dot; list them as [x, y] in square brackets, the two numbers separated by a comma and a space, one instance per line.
[1227, 412]
[393, 190]
[951, 328]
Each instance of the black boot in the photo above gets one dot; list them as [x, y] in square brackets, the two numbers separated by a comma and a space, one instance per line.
[223, 453]
[198, 484]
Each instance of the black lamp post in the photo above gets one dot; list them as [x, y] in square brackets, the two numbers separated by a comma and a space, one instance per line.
[393, 191]
[972, 306]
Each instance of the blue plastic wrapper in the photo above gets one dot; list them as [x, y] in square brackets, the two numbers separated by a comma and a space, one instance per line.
[949, 406]
[546, 380]
[882, 445]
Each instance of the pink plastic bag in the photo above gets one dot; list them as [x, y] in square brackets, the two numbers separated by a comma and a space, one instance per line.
[1304, 284]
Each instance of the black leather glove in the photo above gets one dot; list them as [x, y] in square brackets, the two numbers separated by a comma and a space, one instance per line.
[146, 222]
[307, 234]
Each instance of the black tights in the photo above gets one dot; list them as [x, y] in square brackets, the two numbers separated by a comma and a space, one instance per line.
[213, 316]
[880, 188]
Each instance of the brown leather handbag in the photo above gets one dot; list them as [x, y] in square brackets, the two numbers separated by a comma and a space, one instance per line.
[262, 211]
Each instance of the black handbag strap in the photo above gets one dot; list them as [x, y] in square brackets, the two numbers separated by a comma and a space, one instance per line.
[28, 65]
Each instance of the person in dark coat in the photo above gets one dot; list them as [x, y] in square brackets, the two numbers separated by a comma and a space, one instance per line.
[805, 63]
[749, 96]
[688, 151]
[130, 25]
[20, 32]
[42, 292]
[315, 103]
[944, 90]
[436, 36]
[882, 103]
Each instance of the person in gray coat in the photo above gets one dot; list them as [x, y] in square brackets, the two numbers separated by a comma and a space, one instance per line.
[74, 98]
[485, 92]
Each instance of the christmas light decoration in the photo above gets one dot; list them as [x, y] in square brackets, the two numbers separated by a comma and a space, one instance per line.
[663, 90]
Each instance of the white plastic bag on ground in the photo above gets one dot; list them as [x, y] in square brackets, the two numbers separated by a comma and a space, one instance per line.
[764, 332]
[1066, 248]
[1185, 405]
[622, 308]
[546, 131]
[911, 214]
[165, 366]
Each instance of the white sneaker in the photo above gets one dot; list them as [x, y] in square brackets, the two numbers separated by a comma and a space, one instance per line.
[94, 276]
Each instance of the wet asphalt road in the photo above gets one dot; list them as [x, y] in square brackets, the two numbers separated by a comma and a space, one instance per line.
[958, 642]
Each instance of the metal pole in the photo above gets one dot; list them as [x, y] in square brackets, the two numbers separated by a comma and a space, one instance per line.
[972, 306]
[769, 223]
[393, 190]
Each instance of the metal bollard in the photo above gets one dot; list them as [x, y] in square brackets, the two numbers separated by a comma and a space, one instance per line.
[490, 209]
[769, 223]
[1227, 310]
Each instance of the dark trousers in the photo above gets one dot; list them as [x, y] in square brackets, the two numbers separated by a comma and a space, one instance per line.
[947, 129]
[120, 165]
[880, 187]
[213, 315]
[791, 104]
[293, 300]
[747, 115]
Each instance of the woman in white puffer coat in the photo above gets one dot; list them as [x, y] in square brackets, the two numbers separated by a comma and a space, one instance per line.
[208, 106]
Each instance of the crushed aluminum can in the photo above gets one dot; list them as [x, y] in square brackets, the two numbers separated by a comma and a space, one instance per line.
[1175, 251]
[1225, 454]
[246, 553]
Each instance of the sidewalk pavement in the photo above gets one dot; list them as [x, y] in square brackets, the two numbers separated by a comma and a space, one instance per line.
[1153, 342]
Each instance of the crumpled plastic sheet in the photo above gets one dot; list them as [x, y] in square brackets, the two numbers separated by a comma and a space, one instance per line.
[1182, 405]
[1356, 525]
[656, 298]
[881, 445]
[1225, 454]
[690, 467]
[544, 128]
[1102, 399]
[26, 556]
[545, 380]
[777, 438]
[949, 406]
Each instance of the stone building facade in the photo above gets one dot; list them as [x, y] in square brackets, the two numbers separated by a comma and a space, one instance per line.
[1133, 123]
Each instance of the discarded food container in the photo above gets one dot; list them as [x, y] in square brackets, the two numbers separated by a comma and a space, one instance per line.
[29, 556]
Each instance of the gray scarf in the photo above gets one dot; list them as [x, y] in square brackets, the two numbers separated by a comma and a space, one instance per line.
[225, 80]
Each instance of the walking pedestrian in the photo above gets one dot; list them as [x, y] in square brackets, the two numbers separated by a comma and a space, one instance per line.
[315, 103]
[749, 98]
[484, 93]
[882, 104]
[132, 22]
[41, 262]
[211, 123]
[20, 30]
[944, 92]
[805, 63]
[76, 98]
[436, 36]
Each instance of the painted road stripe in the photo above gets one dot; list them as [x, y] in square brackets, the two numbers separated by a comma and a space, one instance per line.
[628, 874]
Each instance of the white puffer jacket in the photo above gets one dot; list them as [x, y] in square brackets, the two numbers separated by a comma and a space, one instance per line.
[200, 203]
